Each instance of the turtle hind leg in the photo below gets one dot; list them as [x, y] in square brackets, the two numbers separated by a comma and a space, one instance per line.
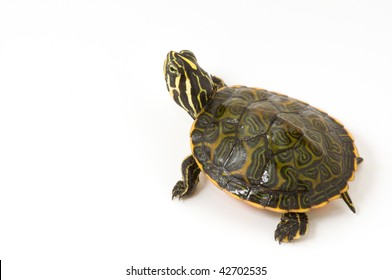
[359, 160]
[348, 201]
[190, 178]
[291, 226]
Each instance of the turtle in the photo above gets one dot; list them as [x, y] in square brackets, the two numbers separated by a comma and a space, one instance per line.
[267, 149]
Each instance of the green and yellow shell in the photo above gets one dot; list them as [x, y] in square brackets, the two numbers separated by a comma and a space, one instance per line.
[272, 151]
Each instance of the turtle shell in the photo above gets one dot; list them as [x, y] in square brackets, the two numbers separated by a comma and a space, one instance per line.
[272, 151]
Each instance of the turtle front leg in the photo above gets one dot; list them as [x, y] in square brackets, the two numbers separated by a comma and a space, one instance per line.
[190, 178]
[291, 226]
[218, 82]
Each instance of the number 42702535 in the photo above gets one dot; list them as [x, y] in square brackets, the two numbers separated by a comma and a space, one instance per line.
[243, 270]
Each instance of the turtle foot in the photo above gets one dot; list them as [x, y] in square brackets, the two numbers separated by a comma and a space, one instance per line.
[179, 190]
[291, 226]
[190, 176]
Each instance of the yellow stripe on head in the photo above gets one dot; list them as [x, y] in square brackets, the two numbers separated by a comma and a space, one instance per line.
[193, 65]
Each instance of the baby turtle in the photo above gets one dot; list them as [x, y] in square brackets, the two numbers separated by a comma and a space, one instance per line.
[264, 148]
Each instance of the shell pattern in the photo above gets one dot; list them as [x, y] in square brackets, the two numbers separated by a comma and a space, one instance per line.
[273, 151]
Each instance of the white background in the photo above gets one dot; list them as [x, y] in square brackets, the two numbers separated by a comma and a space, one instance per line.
[91, 143]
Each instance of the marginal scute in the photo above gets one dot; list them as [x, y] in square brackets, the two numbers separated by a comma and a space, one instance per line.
[203, 121]
[265, 199]
[272, 151]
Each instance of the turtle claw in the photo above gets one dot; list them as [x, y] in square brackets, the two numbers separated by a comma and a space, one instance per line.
[291, 226]
[179, 190]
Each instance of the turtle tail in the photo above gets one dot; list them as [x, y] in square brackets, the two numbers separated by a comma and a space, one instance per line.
[347, 199]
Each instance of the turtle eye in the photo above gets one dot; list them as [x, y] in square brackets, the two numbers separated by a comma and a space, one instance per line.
[173, 69]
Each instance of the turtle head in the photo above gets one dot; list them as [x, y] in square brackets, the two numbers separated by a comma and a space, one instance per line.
[189, 85]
